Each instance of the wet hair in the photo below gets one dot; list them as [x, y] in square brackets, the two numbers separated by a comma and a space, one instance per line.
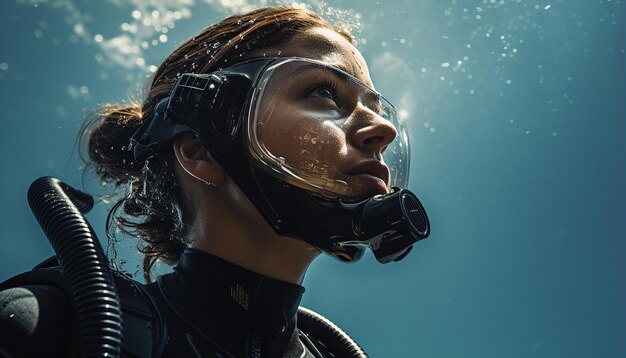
[154, 207]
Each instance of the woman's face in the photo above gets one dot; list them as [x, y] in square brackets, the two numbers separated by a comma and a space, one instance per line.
[326, 128]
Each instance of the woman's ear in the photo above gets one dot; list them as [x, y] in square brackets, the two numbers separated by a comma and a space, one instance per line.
[196, 160]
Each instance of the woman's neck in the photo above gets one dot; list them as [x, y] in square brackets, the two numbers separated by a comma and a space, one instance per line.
[280, 258]
[230, 227]
[253, 245]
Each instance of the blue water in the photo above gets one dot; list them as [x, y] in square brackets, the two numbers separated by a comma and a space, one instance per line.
[517, 115]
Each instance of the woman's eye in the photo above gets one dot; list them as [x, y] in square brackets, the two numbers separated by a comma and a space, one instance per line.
[324, 92]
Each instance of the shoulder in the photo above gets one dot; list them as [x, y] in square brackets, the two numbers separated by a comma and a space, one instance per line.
[35, 320]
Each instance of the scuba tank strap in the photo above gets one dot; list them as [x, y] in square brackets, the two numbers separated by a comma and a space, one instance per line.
[144, 330]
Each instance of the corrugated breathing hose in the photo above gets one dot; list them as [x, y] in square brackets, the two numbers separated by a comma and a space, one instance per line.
[336, 340]
[58, 208]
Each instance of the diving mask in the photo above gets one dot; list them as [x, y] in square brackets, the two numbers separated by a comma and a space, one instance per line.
[284, 129]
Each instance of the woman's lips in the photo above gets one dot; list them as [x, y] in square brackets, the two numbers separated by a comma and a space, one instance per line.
[368, 184]
[371, 177]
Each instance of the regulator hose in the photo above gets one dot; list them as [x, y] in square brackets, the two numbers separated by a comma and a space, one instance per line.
[334, 338]
[58, 209]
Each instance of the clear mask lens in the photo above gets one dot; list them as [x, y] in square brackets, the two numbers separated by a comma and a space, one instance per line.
[321, 129]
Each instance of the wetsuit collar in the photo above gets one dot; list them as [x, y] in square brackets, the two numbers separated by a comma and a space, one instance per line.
[228, 302]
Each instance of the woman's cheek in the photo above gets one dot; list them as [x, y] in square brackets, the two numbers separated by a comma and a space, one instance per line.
[307, 139]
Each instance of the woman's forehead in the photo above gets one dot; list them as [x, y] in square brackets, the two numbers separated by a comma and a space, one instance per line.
[328, 46]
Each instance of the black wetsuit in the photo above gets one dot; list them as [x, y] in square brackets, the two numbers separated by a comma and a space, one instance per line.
[209, 308]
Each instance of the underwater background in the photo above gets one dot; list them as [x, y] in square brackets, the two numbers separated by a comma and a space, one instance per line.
[517, 115]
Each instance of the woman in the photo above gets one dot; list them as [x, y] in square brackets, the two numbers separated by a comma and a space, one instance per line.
[258, 146]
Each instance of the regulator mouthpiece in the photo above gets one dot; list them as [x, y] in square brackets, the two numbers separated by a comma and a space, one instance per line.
[390, 224]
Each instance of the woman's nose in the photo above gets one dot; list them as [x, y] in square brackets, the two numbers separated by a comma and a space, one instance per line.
[370, 131]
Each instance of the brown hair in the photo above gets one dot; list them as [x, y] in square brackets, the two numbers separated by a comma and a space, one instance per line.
[154, 208]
